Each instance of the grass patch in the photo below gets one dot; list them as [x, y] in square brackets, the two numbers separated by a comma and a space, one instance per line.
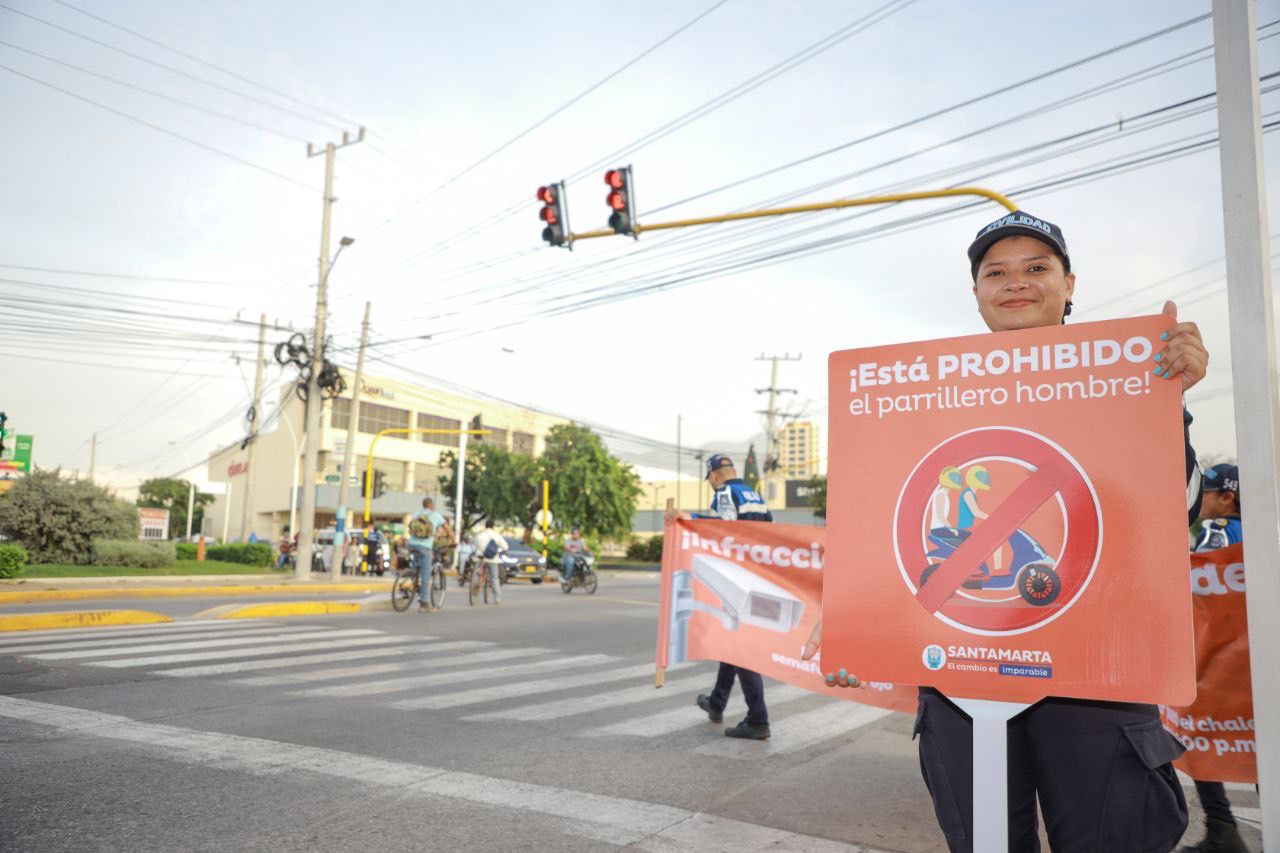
[183, 568]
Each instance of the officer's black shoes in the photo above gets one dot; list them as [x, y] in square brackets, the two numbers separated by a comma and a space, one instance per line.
[748, 731]
[704, 702]
[1220, 837]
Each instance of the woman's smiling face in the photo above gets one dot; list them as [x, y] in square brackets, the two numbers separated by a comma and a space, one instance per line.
[1022, 284]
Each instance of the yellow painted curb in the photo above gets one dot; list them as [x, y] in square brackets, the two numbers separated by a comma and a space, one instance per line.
[37, 595]
[80, 619]
[291, 608]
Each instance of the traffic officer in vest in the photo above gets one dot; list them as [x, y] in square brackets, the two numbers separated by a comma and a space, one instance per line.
[734, 500]
[1220, 516]
[1220, 511]
[1102, 771]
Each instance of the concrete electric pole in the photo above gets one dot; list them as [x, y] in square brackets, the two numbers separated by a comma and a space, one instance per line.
[315, 400]
[246, 515]
[771, 462]
[93, 455]
[349, 453]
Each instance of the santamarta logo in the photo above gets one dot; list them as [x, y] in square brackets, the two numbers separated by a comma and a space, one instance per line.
[934, 658]
[1027, 671]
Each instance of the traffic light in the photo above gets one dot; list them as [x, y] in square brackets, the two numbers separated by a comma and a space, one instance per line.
[555, 212]
[364, 484]
[3, 419]
[379, 484]
[621, 201]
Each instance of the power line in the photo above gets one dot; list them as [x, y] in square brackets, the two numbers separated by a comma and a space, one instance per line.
[163, 130]
[156, 94]
[564, 106]
[127, 277]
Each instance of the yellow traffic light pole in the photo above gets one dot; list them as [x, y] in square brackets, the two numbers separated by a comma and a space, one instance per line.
[807, 208]
[368, 472]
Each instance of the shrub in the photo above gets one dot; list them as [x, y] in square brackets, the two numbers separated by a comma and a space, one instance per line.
[653, 549]
[186, 550]
[247, 553]
[132, 553]
[12, 559]
[57, 519]
[638, 549]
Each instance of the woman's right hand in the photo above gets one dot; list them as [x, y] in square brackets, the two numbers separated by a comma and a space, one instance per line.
[834, 679]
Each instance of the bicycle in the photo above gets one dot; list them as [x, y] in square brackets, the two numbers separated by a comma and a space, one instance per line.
[408, 585]
[480, 583]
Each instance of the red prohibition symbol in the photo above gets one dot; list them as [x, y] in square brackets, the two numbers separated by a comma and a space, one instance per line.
[949, 559]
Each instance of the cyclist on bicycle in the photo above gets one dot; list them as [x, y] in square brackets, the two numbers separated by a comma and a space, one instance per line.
[422, 531]
[491, 545]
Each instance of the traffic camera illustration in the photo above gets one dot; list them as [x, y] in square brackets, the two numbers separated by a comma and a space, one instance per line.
[745, 598]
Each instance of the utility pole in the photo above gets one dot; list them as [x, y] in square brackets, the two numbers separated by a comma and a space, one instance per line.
[349, 453]
[771, 462]
[1253, 370]
[191, 505]
[93, 456]
[247, 514]
[679, 425]
[315, 400]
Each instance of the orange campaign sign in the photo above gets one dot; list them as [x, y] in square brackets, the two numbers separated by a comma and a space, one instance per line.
[1007, 516]
[749, 593]
[1218, 729]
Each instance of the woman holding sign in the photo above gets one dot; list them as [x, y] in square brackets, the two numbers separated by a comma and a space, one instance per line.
[1101, 771]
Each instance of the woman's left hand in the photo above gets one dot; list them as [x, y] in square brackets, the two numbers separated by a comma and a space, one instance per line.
[1184, 356]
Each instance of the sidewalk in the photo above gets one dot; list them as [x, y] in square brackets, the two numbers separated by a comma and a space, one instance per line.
[35, 590]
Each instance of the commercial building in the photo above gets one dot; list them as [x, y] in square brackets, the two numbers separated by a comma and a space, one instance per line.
[410, 463]
[798, 450]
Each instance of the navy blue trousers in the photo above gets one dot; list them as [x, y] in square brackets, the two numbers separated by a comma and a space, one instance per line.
[752, 691]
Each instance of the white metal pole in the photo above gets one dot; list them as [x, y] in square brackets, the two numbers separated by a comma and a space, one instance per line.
[246, 512]
[226, 516]
[457, 500]
[679, 428]
[1253, 373]
[191, 502]
[348, 454]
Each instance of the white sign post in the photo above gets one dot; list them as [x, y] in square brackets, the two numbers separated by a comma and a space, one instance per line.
[1253, 372]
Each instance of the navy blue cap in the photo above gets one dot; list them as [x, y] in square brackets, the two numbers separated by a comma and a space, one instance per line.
[1017, 224]
[1223, 477]
[717, 461]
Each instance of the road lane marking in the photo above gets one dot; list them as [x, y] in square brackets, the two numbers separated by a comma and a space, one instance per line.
[203, 644]
[281, 663]
[526, 688]
[423, 659]
[137, 631]
[395, 685]
[669, 722]
[115, 642]
[798, 731]
[559, 708]
[620, 821]
[223, 654]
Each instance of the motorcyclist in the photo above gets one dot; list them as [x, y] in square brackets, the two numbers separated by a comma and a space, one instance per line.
[574, 547]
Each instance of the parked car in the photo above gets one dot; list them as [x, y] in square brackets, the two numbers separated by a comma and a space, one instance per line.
[521, 561]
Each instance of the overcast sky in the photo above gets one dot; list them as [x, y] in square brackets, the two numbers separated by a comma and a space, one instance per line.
[188, 221]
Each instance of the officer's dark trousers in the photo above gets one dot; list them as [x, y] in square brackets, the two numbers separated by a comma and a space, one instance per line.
[752, 691]
[1102, 771]
[1213, 799]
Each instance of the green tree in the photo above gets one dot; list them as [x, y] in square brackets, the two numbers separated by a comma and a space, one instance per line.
[56, 519]
[750, 469]
[818, 496]
[589, 487]
[172, 495]
[498, 483]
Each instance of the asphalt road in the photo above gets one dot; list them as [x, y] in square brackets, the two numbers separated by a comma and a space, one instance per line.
[532, 725]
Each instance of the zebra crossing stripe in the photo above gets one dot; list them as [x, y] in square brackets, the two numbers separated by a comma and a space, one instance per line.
[135, 631]
[669, 722]
[425, 659]
[223, 654]
[395, 685]
[599, 817]
[526, 688]
[168, 638]
[559, 708]
[280, 663]
[82, 654]
[799, 731]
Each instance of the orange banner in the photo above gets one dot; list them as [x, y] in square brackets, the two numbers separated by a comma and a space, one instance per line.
[749, 593]
[1217, 729]
[1007, 516]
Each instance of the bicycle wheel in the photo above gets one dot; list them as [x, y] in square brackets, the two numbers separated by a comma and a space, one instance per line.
[486, 590]
[403, 591]
[473, 591]
[438, 587]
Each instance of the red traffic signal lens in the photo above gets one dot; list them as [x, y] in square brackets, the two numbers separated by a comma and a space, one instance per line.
[547, 195]
[549, 215]
[615, 178]
[616, 200]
